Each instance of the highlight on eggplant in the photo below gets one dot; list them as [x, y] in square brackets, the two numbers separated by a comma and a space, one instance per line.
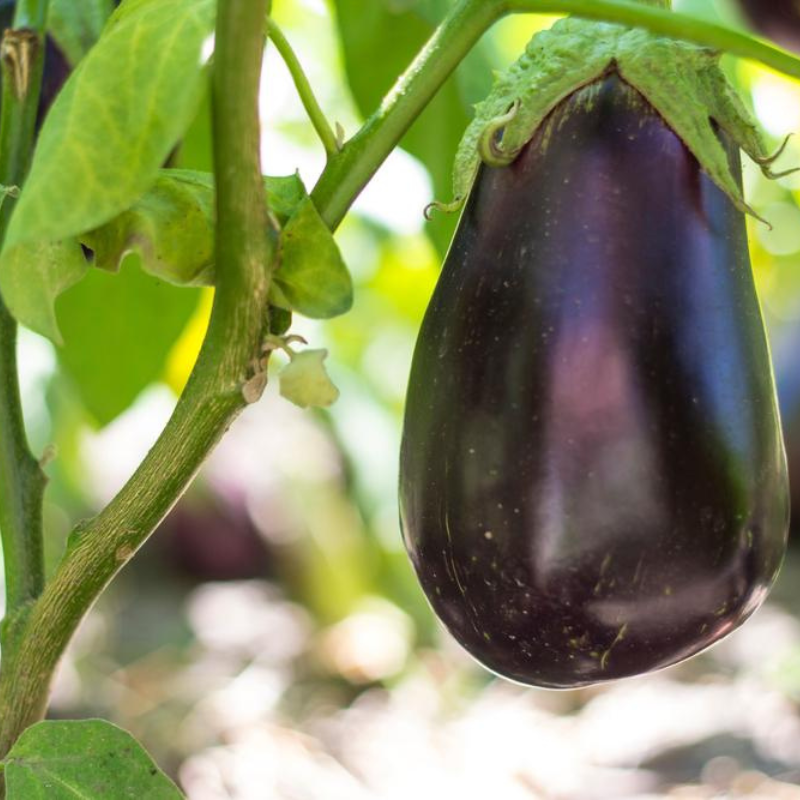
[593, 481]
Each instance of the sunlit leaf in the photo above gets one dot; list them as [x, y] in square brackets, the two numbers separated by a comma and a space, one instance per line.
[116, 121]
[119, 331]
[90, 759]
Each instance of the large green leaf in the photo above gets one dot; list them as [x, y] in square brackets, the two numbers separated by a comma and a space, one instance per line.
[379, 39]
[76, 26]
[119, 331]
[89, 759]
[117, 119]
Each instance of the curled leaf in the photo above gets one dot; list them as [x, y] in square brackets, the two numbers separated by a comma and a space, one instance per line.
[171, 227]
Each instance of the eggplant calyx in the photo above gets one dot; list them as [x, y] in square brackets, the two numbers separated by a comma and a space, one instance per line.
[683, 82]
[767, 162]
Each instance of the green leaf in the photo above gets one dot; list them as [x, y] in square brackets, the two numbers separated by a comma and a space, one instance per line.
[312, 278]
[32, 276]
[171, 227]
[119, 331]
[304, 380]
[90, 759]
[120, 114]
[379, 40]
[77, 26]
[285, 194]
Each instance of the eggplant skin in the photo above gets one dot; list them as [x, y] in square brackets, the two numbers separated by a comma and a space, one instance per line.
[592, 480]
[779, 20]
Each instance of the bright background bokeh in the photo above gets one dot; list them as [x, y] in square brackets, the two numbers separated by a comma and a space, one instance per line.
[271, 640]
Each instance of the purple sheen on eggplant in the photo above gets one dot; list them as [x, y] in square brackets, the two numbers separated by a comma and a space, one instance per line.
[593, 482]
[778, 20]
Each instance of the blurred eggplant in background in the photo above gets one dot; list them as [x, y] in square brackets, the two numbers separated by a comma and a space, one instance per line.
[778, 20]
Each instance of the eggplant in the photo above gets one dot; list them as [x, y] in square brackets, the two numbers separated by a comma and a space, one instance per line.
[778, 20]
[593, 481]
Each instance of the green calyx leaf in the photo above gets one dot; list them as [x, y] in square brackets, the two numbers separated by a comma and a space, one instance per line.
[683, 82]
[304, 381]
[91, 759]
[311, 278]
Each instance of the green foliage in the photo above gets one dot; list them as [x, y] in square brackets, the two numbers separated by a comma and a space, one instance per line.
[312, 278]
[116, 121]
[32, 276]
[119, 331]
[77, 26]
[171, 227]
[91, 759]
[379, 40]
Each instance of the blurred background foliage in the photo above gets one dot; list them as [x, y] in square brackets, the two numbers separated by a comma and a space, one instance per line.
[271, 640]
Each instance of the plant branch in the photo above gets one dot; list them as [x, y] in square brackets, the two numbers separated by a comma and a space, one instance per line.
[348, 172]
[246, 244]
[304, 90]
[22, 481]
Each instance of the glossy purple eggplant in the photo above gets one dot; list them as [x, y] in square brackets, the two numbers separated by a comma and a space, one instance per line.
[778, 20]
[593, 482]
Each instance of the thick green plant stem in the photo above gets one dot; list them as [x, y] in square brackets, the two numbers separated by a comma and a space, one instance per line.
[22, 481]
[349, 171]
[304, 90]
[246, 244]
